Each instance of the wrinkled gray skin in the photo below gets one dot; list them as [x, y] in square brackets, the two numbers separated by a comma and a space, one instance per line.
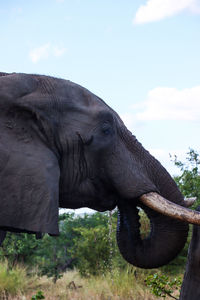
[62, 146]
[190, 289]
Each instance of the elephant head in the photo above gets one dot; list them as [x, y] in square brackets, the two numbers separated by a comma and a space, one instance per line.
[62, 146]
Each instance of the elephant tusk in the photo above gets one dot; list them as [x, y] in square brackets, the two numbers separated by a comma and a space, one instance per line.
[190, 201]
[170, 209]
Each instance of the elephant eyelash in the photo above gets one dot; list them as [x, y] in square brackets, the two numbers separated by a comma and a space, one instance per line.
[79, 136]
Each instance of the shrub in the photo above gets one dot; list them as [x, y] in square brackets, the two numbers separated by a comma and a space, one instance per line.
[93, 250]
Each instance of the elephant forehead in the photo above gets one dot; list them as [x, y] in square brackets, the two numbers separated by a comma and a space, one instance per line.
[72, 94]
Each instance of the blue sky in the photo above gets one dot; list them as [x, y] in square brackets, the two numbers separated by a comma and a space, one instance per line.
[141, 57]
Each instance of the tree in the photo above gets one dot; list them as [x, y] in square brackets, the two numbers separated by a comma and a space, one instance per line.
[18, 248]
[189, 180]
[92, 250]
[189, 184]
[53, 256]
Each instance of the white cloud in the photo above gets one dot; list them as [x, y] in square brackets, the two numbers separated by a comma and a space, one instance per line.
[155, 10]
[17, 10]
[58, 51]
[45, 51]
[39, 53]
[165, 103]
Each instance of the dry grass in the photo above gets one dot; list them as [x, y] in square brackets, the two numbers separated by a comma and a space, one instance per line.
[118, 286]
[73, 287]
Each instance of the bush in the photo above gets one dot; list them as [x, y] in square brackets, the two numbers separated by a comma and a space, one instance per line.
[162, 285]
[38, 295]
[93, 251]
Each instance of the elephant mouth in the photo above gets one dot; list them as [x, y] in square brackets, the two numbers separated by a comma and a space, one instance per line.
[152, 200]
[99, 203]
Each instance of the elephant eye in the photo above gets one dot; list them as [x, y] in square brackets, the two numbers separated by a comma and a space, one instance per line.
[106, 129]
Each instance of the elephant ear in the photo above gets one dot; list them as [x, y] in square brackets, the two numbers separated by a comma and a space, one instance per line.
[29, 170]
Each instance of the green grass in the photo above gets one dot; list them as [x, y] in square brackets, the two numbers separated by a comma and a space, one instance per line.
[12, 281]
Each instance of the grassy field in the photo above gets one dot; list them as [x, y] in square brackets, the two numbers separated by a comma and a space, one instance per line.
[127, 285]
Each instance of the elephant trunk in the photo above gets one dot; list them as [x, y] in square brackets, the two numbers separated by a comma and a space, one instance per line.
[166, 239]
[167, 236]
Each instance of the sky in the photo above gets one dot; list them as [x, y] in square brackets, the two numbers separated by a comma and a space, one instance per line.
[142, 57]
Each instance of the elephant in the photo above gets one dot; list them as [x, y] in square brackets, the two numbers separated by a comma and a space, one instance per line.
[61, 146]
[191, 281]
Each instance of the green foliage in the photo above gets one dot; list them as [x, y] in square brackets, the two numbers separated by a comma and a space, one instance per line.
[53, 255]
[92, 248]
[162, 285]
[18, 248]
[95, 246]
[189, 180]
[38, 295]
[189, 184]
